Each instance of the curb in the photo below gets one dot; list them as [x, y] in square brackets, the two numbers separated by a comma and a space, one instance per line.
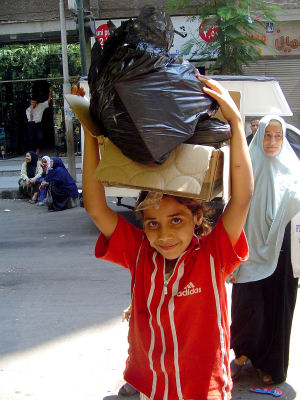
[13, 194]
[10, 194]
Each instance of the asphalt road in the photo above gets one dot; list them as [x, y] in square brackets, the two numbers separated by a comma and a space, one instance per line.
[61, 335]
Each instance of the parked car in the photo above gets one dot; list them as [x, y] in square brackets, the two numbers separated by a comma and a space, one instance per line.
[293, 136]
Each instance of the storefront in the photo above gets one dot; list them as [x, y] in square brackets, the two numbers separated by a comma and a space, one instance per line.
[281, 60]
[280, 54]
[14, 99]
[29, 71]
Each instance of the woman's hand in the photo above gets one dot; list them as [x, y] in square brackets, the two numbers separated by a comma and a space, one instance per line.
[43, 185]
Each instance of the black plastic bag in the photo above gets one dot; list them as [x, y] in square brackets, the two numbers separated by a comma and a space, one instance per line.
[165, 106]
[159, 101]
[211, 132]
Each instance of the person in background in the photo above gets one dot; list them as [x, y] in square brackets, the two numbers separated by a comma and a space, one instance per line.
[61, 185]
[45, 164]
[253, 126]
[178, 329]
[264, 289]
[34, 114]
[30, 170]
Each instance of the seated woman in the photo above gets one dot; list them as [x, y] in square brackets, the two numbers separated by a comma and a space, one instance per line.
[45, 164]
[61, 185]
[30, 170]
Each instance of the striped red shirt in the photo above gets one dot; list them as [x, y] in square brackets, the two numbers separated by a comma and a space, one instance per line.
[178, 330]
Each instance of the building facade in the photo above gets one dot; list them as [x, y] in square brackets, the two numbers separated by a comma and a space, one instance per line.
[33, 21]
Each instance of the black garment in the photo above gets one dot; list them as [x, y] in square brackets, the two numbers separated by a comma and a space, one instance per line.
[249, 138]
[35, 135]
[60, 198]
[31, 166]
[262, 314]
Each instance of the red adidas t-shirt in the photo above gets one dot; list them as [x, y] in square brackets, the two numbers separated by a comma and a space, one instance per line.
[178, 330]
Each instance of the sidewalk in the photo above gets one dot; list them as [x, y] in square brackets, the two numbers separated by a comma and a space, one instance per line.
[61, 332]
[10, 172]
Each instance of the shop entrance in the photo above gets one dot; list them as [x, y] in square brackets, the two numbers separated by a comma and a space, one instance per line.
[15, 98]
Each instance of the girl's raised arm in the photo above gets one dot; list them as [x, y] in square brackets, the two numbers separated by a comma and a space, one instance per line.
[242, 184]
[93, 191]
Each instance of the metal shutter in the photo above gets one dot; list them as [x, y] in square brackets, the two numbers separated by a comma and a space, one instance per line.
[287, 72]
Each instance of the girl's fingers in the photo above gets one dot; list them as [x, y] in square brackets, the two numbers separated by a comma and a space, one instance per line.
[210, 82]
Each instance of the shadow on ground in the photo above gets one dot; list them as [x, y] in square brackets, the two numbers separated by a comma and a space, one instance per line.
[115, 397]
[249, 378]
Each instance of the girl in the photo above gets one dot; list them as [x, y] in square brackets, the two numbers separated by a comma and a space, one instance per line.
[30, 170]
[178, 330]
[264, 295]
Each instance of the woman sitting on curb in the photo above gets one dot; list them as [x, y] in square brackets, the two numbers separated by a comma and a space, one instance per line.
[45, 164]
[61, 185]
[31, 169]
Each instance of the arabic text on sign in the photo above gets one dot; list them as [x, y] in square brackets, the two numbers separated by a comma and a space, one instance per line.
[102, 33]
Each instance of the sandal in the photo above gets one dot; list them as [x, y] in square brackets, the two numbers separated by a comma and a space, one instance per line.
[127, 390]
[32, 201]
[235, 369]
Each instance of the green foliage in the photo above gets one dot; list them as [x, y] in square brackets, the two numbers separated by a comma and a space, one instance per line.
[36, 61]
[235, 19]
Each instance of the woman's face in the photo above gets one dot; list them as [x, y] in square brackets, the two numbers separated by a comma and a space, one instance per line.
[273, 139]
[28, 157]
[51, 163]
[44, 163]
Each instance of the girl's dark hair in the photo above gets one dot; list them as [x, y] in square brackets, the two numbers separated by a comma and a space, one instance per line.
[195, 205]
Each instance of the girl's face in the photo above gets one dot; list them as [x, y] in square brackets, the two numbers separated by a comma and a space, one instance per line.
[28, 157]
[44, 163]
[170, 228]
[273, 139]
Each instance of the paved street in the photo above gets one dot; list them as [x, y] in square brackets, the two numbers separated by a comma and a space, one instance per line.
[61, 335]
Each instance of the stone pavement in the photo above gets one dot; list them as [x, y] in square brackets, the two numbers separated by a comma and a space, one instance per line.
[86, 363]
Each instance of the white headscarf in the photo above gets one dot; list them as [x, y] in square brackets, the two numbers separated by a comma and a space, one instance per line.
[275, 201]
[48, 163]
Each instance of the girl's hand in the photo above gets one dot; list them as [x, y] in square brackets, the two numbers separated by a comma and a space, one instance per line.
[126, 314]
[219, 93]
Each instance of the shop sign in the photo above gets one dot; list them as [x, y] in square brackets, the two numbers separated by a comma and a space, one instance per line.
[207, 31]
[184, 31]
[102, 33]
[285, 44]
[284, 40]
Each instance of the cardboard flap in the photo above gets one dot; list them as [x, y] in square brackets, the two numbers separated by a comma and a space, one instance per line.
[81, 108]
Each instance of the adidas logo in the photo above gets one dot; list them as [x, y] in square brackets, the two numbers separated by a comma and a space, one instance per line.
[189, 290]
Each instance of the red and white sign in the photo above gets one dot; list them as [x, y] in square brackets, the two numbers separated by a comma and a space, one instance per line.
[207, 31]
[102, 33]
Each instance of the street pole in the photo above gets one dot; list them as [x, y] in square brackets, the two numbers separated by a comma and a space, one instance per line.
[81, 37]
[67, 90]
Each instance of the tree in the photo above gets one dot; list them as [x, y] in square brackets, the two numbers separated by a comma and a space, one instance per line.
[230, 28]
[36, 61]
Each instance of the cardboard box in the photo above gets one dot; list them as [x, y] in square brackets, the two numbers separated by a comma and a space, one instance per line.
[190, 170]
